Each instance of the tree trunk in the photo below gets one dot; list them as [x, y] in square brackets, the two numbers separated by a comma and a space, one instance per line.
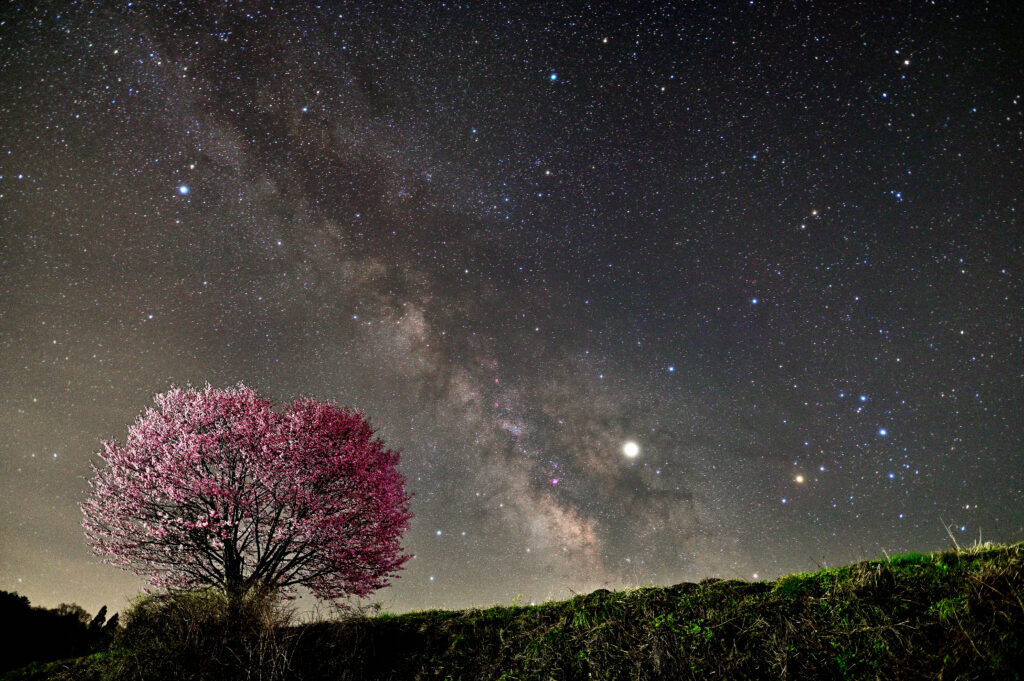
[234, 585]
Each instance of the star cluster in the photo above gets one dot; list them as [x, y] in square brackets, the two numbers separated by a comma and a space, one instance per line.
[644, 292]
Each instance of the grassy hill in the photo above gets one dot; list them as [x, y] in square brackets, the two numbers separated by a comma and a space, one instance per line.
[957, 614]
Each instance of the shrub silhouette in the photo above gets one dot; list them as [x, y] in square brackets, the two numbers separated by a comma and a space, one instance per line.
[204, 634]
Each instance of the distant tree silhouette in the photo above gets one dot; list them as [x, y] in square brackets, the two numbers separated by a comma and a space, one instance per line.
[42, 634]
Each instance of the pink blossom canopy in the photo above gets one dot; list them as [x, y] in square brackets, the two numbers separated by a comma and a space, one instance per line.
[213, 487]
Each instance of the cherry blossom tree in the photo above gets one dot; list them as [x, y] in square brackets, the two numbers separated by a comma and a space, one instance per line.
[215, 488]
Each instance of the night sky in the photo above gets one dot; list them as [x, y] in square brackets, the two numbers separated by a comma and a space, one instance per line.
[643, 292]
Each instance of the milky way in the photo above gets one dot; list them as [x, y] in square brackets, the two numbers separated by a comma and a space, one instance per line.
[777, 248]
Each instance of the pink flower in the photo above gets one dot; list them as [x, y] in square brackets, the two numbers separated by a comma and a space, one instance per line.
[307, 495]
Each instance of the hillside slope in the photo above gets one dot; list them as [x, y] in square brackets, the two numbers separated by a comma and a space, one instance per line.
[952, 615]
[958, 614]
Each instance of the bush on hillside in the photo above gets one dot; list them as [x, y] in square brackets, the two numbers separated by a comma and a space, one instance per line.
[204, 635]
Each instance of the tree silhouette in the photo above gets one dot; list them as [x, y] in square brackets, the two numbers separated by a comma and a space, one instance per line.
[33, 634]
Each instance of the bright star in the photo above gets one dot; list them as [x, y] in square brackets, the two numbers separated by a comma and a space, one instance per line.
[553, 76]
[631, 449]
[183, 189]
[883, 432]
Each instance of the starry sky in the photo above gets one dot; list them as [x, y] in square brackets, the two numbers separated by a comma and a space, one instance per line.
[643, 292]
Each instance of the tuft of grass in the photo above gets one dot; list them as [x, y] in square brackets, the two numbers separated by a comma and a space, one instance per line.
[957, 614]
[912, 558]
